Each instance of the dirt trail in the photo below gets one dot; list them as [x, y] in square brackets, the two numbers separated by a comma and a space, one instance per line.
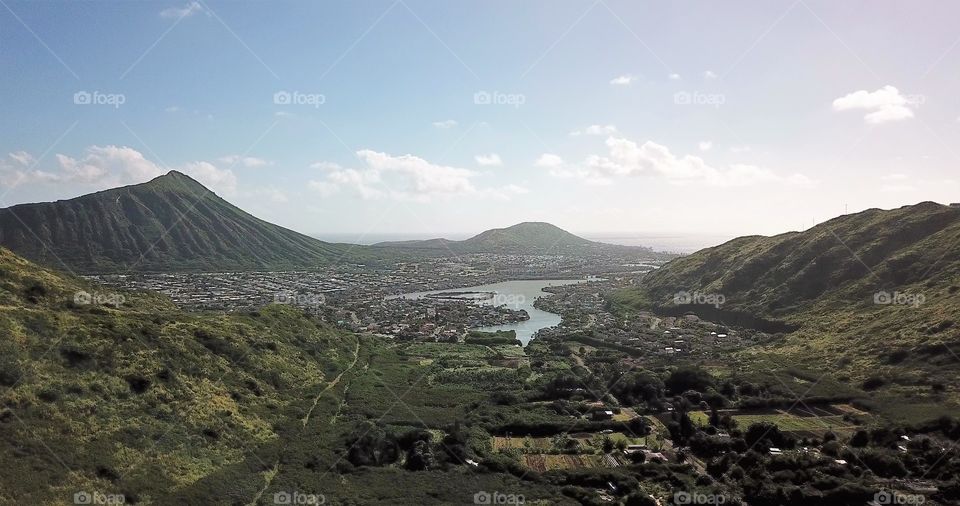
[273, 472]
[269, 475]
[356, 355]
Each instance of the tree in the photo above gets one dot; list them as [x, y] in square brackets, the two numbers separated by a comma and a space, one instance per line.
[860, 439]
[607, 444]
[688, 378]
[420, 457]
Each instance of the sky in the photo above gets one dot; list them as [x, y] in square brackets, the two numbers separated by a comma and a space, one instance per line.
[435, 117]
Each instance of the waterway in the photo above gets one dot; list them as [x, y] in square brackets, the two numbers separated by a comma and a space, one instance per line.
[517, 295]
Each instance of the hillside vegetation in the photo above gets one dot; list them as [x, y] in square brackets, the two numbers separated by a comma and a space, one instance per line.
[873, 296]
[122, 392]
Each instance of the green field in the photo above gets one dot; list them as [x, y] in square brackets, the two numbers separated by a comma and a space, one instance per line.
[787, 422]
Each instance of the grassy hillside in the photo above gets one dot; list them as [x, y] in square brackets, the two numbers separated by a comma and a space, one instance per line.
[131, 396]
[833, 282]
[169, 223]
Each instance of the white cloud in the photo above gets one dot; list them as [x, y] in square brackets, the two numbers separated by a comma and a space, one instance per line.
[111, 166]
[705, 145]
[404, 177]
[627, 158]
[623, 80]
[23, 158]
[549, 161]
[674, 77]
[420, 177]
[245, 161]
[595, 130]
[491, 160]
[709, 74]
[120, 163]
[326, 166]
[740, 149]
[883, 105]
[445, 123]
[209, 175]
[324, 188]
[182, 12]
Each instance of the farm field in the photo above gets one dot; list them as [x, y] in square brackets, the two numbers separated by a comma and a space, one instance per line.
[800, 422]
[545, 462]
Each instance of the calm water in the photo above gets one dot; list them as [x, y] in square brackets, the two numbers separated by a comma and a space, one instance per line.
[516, 295]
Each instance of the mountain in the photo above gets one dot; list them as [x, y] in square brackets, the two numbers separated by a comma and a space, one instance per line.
[874, 295]
[171, 222]
[535, 238]
[122, 393]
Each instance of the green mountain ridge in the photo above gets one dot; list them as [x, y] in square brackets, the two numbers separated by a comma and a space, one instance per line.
[523, 238]
[872, 295]
[169, 223]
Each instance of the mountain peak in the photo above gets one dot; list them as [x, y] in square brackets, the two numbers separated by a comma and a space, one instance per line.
[175, 180]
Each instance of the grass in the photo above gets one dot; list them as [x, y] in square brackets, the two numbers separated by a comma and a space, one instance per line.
[787, 422]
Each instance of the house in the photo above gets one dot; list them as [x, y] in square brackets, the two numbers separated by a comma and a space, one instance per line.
[604, 414]
[776, 451]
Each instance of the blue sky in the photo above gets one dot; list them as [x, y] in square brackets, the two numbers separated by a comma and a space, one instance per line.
[603, 116]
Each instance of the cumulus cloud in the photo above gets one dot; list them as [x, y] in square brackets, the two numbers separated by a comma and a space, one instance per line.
[709, 74]
[182, 12]
[22, 158]
[705, 145]
[883, 105]
[404, 177]
[627, 158]
[449, 123]
[245, 161]
[120, 163]
[106, 167]
[549, 161]
[220, 180]
[491, 160]
[674, 77]
[623, 80]
[595, 130]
